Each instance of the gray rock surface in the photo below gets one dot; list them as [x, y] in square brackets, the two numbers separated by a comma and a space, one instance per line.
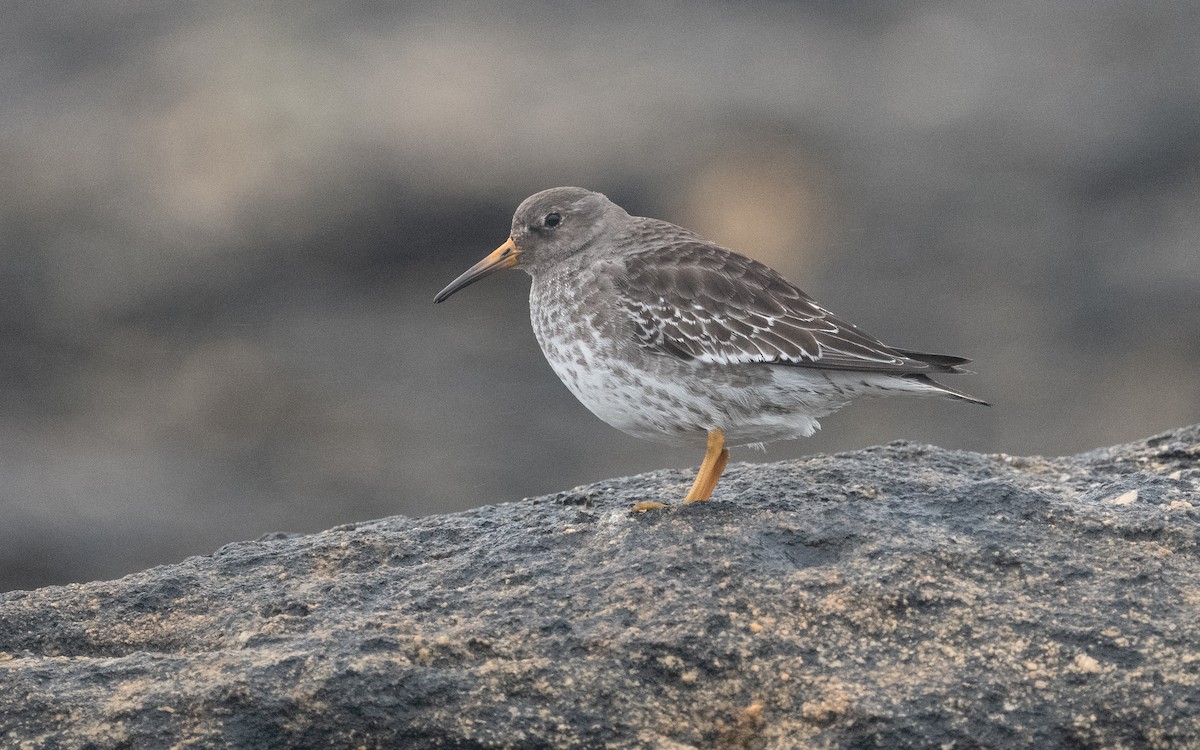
[222, 225]
[900, 596]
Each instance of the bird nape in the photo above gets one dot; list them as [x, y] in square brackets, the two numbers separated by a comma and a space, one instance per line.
[667, 336]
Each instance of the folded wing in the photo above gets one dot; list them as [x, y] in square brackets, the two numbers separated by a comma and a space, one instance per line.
[723, 308]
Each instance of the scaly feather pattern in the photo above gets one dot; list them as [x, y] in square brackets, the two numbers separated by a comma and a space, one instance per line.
[697, 301]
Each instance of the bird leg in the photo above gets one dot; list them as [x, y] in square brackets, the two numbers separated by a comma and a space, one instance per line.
[715, 459]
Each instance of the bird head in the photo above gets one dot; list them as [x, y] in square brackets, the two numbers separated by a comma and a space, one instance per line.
[547, 228]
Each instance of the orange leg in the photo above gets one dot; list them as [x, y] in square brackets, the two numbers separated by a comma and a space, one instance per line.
[715, 459]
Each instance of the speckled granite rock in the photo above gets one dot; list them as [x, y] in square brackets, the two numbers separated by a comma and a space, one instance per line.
[901, 596]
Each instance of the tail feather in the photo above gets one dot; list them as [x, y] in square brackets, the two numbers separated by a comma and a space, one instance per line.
[954, 392]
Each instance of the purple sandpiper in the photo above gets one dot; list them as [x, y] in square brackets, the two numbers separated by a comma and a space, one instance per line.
[669, 337]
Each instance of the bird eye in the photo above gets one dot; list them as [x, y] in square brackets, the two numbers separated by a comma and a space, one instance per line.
[552, 219]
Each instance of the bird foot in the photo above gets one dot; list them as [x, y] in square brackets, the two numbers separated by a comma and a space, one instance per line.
[646, 505]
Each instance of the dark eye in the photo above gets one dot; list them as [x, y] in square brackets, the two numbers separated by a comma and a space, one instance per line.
[552, 219]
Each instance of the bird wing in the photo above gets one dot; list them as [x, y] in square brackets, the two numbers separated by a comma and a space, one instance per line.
[697, 301]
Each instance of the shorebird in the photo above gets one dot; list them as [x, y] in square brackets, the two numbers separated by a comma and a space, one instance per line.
[670, 337]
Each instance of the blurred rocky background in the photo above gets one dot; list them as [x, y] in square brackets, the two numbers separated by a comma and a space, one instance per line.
[223, 224]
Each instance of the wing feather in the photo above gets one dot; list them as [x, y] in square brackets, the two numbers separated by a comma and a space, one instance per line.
[696, 301]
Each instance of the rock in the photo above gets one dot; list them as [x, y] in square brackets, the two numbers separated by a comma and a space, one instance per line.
[900, 596]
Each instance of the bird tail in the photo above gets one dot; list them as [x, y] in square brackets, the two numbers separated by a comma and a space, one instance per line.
[952, 392]
[941, 363]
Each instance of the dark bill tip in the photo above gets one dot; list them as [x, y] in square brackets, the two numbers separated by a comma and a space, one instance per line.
[504, 256]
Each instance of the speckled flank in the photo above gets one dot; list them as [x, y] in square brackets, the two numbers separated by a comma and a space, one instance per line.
[660, 397]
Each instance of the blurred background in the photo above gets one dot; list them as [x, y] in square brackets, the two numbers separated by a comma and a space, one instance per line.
[223, 225]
